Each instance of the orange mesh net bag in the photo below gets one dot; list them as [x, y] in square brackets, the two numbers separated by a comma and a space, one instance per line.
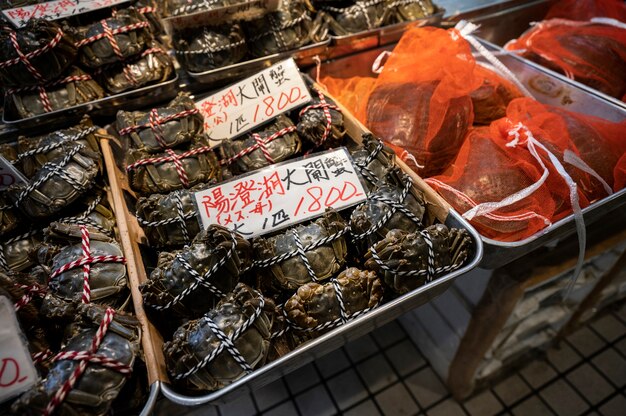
[589, 52]
[588, 9]
[420, 101]
[352, 92]
[487, 171]
[588, 147]
[492, 97]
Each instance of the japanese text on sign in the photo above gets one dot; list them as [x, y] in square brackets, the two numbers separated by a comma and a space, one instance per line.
[282, 195]
[244, 10]
[251, 102]
[9, 175]
[17, 371]
[58, 9]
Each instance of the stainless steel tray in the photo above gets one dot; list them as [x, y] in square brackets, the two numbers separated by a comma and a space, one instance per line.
[548, 88]
[107, 106]
[551, 88]
[326, 343]
[367, 39]
[219, 76]
[131, 234]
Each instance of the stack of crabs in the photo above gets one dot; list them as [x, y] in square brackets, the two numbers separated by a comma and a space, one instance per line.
[226, 305]
[65, 273]
[296, 24]
[47, 66]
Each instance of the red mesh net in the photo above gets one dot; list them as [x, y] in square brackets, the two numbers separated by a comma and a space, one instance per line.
[486, 170]
[492, 97]
[594, 54]
[588, 9]
[597, 142]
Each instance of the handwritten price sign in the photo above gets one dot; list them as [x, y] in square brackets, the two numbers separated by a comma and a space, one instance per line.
[17, 371]
[52, 10]
[251, 102]
[9, 175]
[282, 195]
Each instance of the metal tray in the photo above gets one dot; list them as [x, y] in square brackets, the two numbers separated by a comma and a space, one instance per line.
[368, 39]
[107, 106]
[548, 88]
[219, 76]
[132, 234]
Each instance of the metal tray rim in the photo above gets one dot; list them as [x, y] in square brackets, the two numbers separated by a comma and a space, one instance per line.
[170, 393]
[551, 229]
[275, 56]
[61, 112]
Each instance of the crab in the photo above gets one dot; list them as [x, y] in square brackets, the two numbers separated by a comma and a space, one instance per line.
[35, 152]
[323, 252]
[321, 123]
[106, 282]
[9, 217]
[51, 52]
[166, 127]
[182, 7]
[170, 219]
[373, 159]
[114, 39]
[316, 307]
[152, 66]
[101, 358]
[360, 16]
[389, 206]
[17, 251]
[174, 169]
[74, 88]
[272, 143]
[408, 10]
[59, 182]
[408, 260]
[286, 29]
[93, 211]
[225, 344]
[188, 282]
[212, 47]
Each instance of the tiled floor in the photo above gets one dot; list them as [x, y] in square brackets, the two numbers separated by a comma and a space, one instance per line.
[384, 374]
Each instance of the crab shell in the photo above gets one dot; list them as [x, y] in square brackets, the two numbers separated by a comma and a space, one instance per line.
[106, 280]
[174, 132]
[195, 340]
[31, 164]
[163, 177]
[361, 16]
[279, 149]
[19, 252]
[315, 304]
[35, 36]
[367, 215]
[157, 207]
[152, 67]
[405, 251]
[95, 213]
[213, 47]
[312, 125]
[170, 278]
[98, 386]
[408, 11]
[325, 260]
[379, 166]
[58, 191]
[9, 217]
[181, 7]
[280, 31]
[100, 52]
[64, 95]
